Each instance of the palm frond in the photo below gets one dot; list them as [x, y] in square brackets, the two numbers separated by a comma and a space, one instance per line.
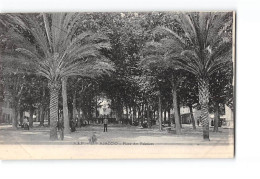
[177, 37]
[178, 62]
[47, 28]
[221, 62]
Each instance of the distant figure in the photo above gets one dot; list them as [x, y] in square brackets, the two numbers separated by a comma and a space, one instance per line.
[25, 124]
[72, 126]
[105, 124]
[212, 122]
[93, 139]
[60, 127]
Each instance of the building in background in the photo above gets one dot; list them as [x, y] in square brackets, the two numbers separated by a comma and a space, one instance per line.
[104, 107]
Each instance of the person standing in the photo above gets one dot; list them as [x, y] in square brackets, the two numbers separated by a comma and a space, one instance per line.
[105, 124]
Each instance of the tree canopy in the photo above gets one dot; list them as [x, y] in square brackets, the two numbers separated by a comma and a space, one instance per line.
[142, 62]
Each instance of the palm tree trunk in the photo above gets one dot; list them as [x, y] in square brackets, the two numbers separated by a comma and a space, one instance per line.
[65, 107]
[216, 116]
[192, 118]
[54, 94]
[175, 107]
[159, 112]
[203, 84]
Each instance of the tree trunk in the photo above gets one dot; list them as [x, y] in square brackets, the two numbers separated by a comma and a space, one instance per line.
[96, 107]
[192, 118]
[66, 121]
[21, 117]
[159, 112]
[118, 113]
[74, 109]
[31, 116]
[138, 111]
[148, 116]
[131, 115]
[54, 99]
[175, 107]
[38, 113]
[216, 116]
[179, 114]
[127, 111]
[142, 115]
[15, 118]
[165, 115]
[134, 113]
[84, 113]
[169, 116]
[43, 108]
[139, 115]
[79, 117]
[203, 84]
[42, 116]
[48, 117]
[89, 110]
[119, 109]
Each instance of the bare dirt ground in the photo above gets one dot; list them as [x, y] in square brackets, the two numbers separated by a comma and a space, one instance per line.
[116, 135]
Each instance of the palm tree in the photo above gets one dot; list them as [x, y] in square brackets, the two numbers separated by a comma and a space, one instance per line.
[204, 46]
[53, 46]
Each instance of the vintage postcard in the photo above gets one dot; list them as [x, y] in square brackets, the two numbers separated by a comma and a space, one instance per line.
[117, 85]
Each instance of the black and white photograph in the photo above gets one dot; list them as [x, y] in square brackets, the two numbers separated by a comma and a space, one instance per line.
[117, 85]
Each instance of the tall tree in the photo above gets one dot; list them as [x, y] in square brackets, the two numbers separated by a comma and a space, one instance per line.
[154, 61]
[188, 93]
[221, 92]
[204, 46]
[56, 50]
[14, 87]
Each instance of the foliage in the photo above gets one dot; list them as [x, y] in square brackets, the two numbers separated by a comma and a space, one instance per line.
[131, 58]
